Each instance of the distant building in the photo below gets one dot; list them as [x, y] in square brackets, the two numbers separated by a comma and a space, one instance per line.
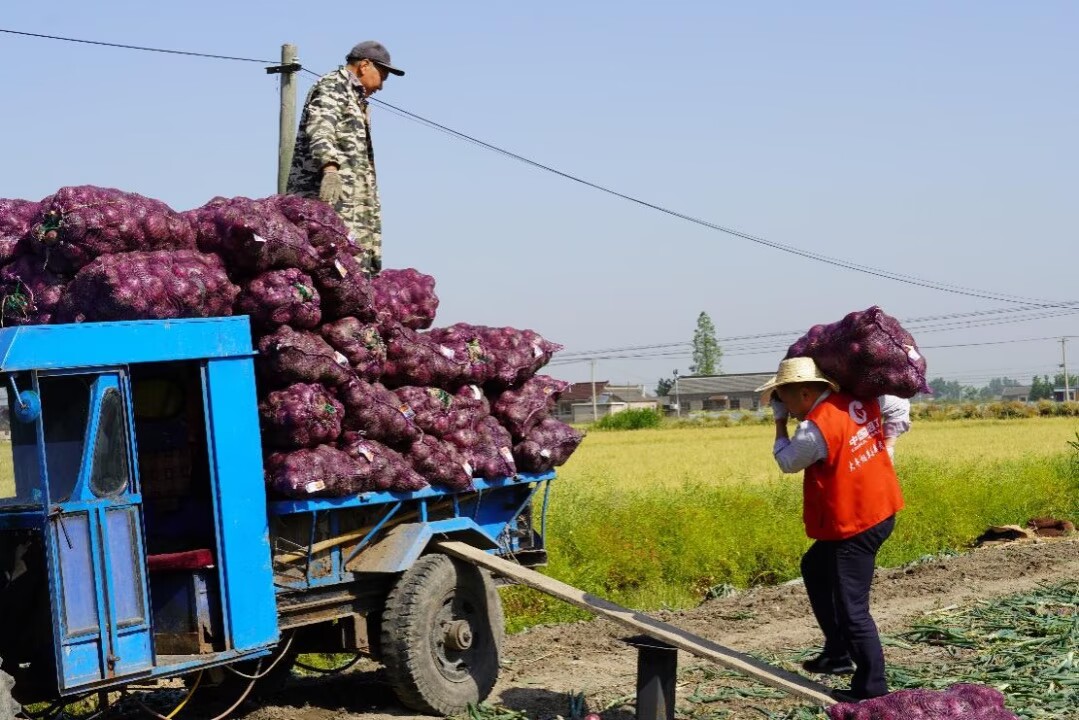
[1058, 394]
[1016, 393]
[736, 391]
[575, 404]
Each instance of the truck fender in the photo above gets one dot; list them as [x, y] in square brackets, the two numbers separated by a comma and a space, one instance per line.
[401, 546]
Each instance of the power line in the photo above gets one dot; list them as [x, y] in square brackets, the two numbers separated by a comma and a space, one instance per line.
[136, 47]
[810, 255]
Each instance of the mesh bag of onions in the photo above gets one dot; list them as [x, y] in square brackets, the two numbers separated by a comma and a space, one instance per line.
[300, 416]
[17, 217]
[546, 446]
[30, 292]
[406, 297]
[868, 353]
[149, 285]
[959, 702]
[78, 224]
[388, 469]
[322, 471]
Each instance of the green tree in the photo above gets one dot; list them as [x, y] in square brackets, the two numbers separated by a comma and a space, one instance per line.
[706, 350]
[664, 386]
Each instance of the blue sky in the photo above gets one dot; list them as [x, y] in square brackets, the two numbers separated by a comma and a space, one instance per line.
[934, 140]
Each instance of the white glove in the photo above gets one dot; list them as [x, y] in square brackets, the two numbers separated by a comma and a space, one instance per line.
[779, 410]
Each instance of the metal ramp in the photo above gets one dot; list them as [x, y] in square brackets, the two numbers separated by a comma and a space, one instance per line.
[778, 678]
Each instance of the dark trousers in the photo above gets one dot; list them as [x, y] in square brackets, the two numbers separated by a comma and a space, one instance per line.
[837, 577]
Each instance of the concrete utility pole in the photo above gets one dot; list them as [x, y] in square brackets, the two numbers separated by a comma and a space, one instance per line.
[677, 399]
[595, 414]
[289, 66]
[1064, 364]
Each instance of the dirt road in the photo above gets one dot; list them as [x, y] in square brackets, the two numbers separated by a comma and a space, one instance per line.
[544, 664]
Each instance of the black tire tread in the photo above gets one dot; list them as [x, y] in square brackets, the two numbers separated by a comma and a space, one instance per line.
[400, 647]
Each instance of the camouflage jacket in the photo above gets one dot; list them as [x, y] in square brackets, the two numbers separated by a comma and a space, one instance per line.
[336, 128]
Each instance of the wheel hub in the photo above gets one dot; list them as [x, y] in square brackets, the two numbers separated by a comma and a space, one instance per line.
[458, 635]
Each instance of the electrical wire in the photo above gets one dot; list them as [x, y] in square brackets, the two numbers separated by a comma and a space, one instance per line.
[790, 249]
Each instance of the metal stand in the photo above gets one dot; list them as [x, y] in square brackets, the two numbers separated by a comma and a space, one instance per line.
[657, 669]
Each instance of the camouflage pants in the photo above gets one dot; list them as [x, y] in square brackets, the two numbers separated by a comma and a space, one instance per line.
[360, 209]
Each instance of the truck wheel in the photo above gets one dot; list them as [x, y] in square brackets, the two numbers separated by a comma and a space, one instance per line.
[442, 629]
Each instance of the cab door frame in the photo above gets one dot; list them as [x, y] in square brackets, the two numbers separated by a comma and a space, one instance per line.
[100, 598]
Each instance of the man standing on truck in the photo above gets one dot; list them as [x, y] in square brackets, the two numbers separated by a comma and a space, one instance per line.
[851, 496]
[334, 159]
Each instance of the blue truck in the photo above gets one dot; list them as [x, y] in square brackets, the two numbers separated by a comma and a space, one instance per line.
[137, 541]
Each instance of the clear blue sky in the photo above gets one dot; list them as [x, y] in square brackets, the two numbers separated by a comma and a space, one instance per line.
[932, 139]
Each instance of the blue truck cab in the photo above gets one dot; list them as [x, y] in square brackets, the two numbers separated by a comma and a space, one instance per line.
[137, 540]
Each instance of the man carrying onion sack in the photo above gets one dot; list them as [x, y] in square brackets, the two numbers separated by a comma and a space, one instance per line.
[850, 498]
[334, 159]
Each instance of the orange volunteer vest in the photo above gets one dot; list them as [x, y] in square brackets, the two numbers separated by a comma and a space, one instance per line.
[855, 487]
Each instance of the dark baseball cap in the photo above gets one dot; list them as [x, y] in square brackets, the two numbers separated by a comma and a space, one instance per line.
[376, 52]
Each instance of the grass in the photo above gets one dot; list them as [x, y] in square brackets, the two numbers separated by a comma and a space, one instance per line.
[659, 518]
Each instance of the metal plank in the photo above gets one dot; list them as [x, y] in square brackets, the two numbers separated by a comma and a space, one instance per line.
[701, 647]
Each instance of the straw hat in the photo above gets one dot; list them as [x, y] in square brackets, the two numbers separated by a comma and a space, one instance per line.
[795, 370]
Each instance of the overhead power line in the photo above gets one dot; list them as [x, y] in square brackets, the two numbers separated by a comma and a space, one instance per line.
[166, 51]
[790, 249]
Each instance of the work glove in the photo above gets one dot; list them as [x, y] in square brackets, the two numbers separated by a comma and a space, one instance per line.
[779, 410]
[330, 189]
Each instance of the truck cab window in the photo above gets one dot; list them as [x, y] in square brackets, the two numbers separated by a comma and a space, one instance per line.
[20, 476]
[110, 471]
[65, 410]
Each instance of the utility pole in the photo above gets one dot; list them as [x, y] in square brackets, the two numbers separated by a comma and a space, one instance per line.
[677, 399]
[289, 66]
[1064, 364]
[595, 414]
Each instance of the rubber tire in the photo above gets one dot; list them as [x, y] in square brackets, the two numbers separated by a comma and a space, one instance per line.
[412, 641]
[9, 709]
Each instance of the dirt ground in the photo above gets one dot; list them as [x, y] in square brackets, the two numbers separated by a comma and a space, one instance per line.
[544, 664]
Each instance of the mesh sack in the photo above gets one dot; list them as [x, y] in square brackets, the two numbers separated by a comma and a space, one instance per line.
[322, 471]
[959, 702]
[252, 236]
[406, 297]
[414, 358]
[156, 285]
[495, 356]
[323, 227]
[288, 356]
[346, 289]
[29, 293]
[17, 217]
[868, 353]
[377, 413]
[488, 447]
[546, 446]
[300, 416]
[440, 463]
[387, 468]
[439, 412]
[361, 344]
[280, 297]
[84, 222]
[521, 409]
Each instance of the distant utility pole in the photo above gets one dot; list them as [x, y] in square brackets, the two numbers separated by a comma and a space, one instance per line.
[595, 414]
[1064, 364]
[286, 144]
[677, 398]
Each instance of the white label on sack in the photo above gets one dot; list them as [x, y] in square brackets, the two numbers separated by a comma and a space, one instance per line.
[476, 392]
[340, 266]
[314, 486]
[259, 238]
[408, 412]
[351, 239]
[341, 359]
[912, 353]
[448, 352]
[468, 468]
[545, 453]
[366, 452]
[537, 351]
[506, 454]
